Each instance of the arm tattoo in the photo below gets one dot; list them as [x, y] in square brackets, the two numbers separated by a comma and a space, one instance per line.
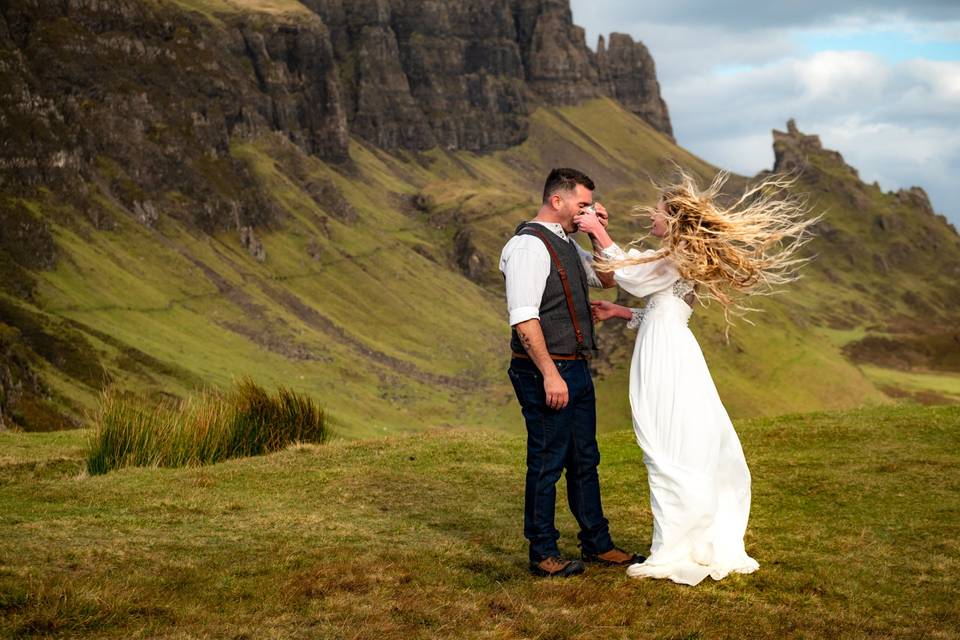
[524, 340]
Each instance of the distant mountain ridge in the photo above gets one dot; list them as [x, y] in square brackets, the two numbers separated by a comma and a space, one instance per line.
[314, 193]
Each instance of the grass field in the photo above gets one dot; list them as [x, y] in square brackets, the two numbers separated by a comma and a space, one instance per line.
[854, 523]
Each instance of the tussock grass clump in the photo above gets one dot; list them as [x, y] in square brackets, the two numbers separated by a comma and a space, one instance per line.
[203, 429]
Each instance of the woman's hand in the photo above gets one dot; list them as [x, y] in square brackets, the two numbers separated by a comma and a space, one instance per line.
[589, 222]
[602, 215]
[603, 310]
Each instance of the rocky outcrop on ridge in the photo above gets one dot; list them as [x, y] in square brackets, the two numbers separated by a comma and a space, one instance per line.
[629, 75]
[793, 151]
[887, 232]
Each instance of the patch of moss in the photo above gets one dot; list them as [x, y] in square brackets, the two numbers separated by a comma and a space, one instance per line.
[134, 360]
[25, 238]
[34, 413]
[54, 341]
[937, 352]
[15, 280]
[25, 402]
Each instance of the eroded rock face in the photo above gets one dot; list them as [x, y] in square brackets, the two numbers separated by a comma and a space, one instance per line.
[559, 66]
[916, 198]
[375, 89]
[252, 244]
[144, 99]
[300, 91]
[628, 74]
[465, 71]
[143, 102]
[464, 74]
[420, 73]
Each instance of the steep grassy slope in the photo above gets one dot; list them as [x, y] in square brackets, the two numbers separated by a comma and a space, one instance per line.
[853, 524]
[360, 296]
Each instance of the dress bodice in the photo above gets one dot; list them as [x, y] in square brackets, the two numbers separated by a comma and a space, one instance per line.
[657, 280]
[677, 297]
[683, 288]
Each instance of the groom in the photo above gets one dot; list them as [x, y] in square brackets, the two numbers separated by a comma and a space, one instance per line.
[547, 276]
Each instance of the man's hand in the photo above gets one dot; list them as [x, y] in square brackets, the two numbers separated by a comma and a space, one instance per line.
[556, 389]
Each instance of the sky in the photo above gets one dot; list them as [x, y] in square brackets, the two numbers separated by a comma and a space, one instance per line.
[878, 81]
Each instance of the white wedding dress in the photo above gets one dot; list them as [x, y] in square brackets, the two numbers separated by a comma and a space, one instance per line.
[699, 481]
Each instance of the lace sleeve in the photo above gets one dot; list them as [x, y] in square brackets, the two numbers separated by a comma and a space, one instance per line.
[636, 317]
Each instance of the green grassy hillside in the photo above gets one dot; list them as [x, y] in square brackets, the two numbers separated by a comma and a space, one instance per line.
[419, 536]
[377, 293]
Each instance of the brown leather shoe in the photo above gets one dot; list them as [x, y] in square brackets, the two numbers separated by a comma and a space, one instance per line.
[615, 556]
[556, 567]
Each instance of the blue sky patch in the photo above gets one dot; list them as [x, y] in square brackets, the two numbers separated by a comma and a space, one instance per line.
[893, 46]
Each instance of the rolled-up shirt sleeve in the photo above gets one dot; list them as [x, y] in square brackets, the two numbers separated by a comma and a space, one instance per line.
[525, 268]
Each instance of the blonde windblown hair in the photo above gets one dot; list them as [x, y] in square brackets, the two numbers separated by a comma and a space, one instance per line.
[730, 252]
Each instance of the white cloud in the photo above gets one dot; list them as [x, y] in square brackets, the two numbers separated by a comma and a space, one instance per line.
[684, 50]
[841, 77]
[941, 81]
[730, 76]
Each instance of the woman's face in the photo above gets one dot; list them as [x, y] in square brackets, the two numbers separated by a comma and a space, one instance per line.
[659, 220]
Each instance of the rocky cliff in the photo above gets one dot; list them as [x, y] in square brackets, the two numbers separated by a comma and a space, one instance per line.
[464, 75]
[140, 101]
[627, 73]
[130, 78]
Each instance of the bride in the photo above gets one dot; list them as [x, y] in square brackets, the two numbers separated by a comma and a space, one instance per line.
[699, 480]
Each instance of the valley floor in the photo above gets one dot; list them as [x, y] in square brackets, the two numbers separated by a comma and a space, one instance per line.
[854, 523]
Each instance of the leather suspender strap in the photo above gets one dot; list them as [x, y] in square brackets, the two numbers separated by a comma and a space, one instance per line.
[566, 286]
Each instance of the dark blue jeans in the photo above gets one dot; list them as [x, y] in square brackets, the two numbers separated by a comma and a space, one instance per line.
[558, 440]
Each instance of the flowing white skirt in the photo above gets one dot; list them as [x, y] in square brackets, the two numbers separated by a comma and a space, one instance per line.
[699, 480]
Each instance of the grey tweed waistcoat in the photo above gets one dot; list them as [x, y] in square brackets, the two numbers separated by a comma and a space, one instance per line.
[558, 331]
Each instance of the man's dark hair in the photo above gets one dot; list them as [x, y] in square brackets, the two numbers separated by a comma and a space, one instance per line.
[564, 179]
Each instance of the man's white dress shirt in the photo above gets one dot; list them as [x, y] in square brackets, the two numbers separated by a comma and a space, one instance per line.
[525, 264]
